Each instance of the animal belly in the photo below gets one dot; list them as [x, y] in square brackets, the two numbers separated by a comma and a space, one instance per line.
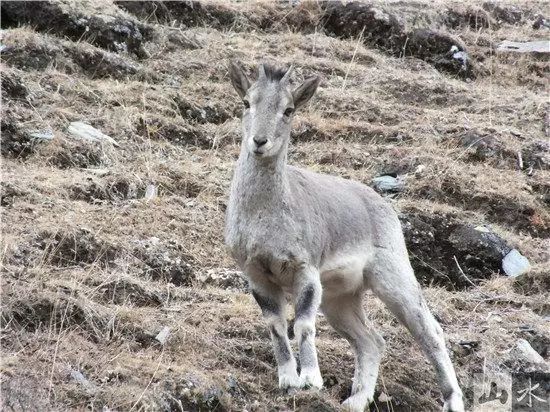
[343, 274]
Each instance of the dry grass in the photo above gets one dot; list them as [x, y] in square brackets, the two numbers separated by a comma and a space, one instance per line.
[91, 270]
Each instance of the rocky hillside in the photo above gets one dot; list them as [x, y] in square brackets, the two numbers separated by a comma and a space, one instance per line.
[119, 134]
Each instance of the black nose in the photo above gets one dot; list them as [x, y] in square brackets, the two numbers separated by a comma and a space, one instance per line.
[260, 141]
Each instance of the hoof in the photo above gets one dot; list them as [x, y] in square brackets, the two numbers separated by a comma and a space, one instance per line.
[454, 403]
[289, 382]
[311, 380]
[356, 403]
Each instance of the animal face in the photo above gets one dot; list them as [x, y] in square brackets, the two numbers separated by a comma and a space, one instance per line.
[269, 106]
[268, 110]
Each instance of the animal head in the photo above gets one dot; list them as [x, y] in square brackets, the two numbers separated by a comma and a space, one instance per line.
[269, 105]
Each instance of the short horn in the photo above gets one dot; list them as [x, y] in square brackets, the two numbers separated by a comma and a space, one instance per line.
[286, 77]
[261, 71]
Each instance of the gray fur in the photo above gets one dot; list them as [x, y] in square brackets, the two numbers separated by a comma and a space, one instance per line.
[323, 240]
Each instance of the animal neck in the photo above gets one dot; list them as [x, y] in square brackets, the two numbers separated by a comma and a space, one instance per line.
[260, 182]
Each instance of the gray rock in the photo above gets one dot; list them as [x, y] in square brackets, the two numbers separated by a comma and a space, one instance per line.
[46, 134]
[523, 351]
[460, 55]
[151, 192]
[163, 335]
[84, 131]
[515, 264]
[539, 46]
[81, 379]
[388, 184]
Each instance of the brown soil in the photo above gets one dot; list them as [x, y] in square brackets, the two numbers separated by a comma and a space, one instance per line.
[94, 266]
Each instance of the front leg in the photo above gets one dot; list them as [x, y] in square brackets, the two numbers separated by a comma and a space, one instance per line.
[307, 292]
[270, 298]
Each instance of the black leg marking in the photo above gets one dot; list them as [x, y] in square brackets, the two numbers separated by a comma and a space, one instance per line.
[290, 329]
[283, 353]
[303, 307]
[266, 305]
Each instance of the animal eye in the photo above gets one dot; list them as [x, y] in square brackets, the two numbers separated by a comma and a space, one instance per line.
[246, 104]
[289, 111]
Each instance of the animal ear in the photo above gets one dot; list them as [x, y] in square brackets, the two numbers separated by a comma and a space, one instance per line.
[305, 91]
[238, 78]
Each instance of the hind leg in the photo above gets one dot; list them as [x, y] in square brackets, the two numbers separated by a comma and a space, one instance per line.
[392, 280]
[346, 315]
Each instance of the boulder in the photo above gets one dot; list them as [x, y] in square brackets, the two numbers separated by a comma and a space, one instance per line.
[448, 252]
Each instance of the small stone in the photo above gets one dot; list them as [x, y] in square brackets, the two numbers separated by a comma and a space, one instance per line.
[388, 184]
[46, 134]
[151, 192]
[384, 398]
[84, 131]
[420, 169]
[81, 379]
[525, 352]
[163, 335]
[515, 264]
[464, 348]
[460, 55]
[540, 22]
[482, 229]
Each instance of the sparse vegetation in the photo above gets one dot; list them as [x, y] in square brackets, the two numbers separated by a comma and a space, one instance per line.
[93, 269]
